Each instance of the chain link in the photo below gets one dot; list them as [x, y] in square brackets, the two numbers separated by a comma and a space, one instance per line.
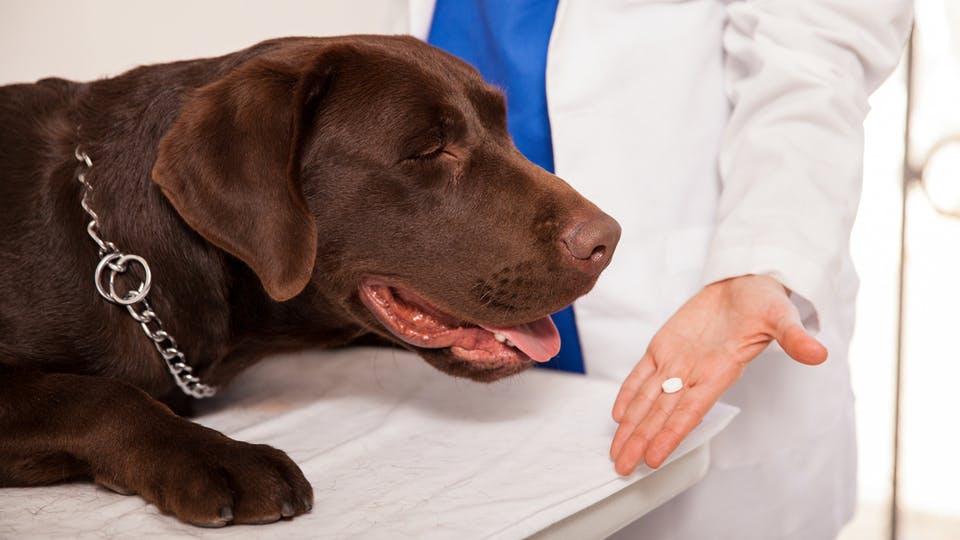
[135, 300]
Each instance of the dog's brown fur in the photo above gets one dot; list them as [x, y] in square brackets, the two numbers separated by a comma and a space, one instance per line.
[262, 186]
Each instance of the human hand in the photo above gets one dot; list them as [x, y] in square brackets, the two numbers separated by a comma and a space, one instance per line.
[707, 343]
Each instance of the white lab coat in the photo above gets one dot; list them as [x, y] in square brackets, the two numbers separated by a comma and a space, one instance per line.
[726, 137]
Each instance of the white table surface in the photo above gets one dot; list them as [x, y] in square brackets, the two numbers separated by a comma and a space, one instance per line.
[395, 449]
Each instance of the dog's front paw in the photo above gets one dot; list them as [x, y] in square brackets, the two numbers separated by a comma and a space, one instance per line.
[212, 481]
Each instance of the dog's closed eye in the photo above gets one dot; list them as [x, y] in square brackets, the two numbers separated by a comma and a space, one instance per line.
[430, 153]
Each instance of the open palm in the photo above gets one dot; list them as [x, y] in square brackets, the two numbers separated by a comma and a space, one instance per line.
[707, 343]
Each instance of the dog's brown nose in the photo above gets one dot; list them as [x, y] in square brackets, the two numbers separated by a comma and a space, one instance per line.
[593, 240]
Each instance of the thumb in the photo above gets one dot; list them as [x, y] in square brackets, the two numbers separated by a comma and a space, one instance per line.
[797, 342]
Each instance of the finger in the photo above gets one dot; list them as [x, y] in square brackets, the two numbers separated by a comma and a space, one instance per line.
[696, 403]
[634, 446]
[641, 372]
[624, 431]
[637, 409]
[797, 342]
[630, 455]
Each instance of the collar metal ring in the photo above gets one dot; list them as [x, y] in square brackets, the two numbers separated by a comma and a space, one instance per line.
[115, 261]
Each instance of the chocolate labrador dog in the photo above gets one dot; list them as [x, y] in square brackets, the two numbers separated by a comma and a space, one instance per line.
[303, 192]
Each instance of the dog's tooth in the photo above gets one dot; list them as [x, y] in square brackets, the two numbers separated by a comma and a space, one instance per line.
[500, 337]
[509, 343]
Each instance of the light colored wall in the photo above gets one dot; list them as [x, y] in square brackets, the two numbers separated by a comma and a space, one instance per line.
[89, 39]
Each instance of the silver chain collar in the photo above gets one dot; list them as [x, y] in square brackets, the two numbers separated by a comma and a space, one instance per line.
[117, 262]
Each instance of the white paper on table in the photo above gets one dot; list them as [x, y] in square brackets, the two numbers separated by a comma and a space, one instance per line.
[393, 448]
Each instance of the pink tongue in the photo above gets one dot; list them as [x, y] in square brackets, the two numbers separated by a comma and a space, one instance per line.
[538, 339]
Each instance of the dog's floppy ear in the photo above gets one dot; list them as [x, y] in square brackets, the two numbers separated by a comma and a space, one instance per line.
[230, 166]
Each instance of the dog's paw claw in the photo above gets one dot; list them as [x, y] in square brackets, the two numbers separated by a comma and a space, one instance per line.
[226, 514]
[115, 488]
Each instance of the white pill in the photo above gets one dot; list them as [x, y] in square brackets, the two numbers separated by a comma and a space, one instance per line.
[671, 385]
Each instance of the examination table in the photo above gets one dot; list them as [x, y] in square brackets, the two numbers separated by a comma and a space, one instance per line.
[395, 449]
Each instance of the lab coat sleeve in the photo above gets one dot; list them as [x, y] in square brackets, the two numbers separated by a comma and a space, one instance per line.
[798, 75]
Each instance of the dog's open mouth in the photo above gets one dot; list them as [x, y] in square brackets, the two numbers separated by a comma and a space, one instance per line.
[417, 322]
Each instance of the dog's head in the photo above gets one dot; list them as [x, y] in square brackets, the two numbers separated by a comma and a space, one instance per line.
[380, 170]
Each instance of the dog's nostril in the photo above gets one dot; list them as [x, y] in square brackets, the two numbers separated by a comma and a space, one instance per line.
[598, 253]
